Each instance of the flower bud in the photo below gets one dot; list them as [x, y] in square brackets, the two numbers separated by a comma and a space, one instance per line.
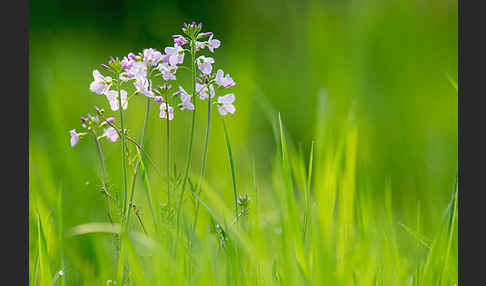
[202, 35]
[179, 40]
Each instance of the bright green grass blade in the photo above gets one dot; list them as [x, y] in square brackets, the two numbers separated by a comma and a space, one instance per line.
[434, 268]
[60, 230]
[424, 241]
[58, 276]
[450, 228]
[44, 263]
[307, 192]
[148, 192]
[232, 167]
[453, 82]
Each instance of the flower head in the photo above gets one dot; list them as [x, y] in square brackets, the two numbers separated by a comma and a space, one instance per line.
[100, 83]
[144, 86]
[168, 72]
[179, 40]
[112, 97]
[205, 64]
[151, 56]
[202, 89]
[74, 137]
[193, 29]
[174, 55]
[164, 111]
[185, 99]
[127, 62]
[200, 45]
[222, 80]
[111, 134]
[213, 43]
[225, 104]
[138, 70]
[207, 34]
[110, 120]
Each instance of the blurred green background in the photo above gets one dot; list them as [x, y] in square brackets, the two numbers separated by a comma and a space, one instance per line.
[385, 63]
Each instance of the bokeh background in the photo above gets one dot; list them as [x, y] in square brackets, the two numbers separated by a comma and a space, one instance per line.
[387, 64]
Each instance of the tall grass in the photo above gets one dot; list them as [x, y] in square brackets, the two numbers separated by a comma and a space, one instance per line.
[308, 224]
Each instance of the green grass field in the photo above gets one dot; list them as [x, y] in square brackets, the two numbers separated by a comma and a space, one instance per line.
[344, 140]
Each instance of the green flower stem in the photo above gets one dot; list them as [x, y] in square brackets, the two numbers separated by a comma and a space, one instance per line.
[189, 152]
[168, 154]
[203, 166]
[105, 184]
[124, 166]
[121, 255]
[142, 140]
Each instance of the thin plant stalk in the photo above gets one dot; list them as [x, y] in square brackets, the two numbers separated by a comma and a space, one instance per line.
[124, 166]
[105, 184]
[203, 166]
[142, 140]
[121, 255]
[232, 167]
[189, 152]
[168, 155]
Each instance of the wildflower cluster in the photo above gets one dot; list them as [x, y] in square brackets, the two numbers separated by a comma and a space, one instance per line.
[92, 124]
[141, 70]
[153, 75]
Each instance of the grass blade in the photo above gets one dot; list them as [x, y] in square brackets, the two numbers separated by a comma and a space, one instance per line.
[232, 166]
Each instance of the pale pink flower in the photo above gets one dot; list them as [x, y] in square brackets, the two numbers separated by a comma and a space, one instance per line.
[225, 104]
[112, 97]
[200, 45]
[202, 89]
[100, 83]
[164, 111]
[185, 99]
[151, 56]
[175, 54]
[144, 86]
[179, 40]
[205, 64]
[213, 43]
[111, 134]
[222, 80]
[168, 72]
[138, 70]
[74, 137]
